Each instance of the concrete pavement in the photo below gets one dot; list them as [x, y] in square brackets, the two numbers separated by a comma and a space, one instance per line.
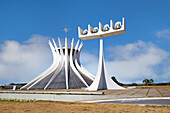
[136, 101]
[82, 95]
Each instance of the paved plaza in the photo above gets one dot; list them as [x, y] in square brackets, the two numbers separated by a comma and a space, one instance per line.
[140, 92]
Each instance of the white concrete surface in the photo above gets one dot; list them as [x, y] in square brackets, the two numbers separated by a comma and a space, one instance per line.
[54, 97]
[53, 92]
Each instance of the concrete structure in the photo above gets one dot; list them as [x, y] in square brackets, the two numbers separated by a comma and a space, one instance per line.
[102, 80]
[66, 72]
[101, 32]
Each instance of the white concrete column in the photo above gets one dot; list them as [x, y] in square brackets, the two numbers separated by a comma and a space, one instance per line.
[66, 62]
[103, 80]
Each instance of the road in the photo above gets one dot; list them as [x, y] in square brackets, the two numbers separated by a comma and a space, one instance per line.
[140, 101]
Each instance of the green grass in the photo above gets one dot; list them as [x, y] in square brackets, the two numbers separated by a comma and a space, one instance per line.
[17, 100]
[85, 109]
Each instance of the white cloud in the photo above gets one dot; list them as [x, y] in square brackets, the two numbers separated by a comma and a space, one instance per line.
[132, 62]
[135, 61]
[21, 62]
[166, 73]
[163, 34]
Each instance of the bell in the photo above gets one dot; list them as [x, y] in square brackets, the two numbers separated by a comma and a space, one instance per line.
[95, 30]
[85, 32]
[106, 27]
[117, 26]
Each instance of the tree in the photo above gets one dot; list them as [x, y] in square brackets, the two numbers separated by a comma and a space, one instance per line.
[148, 81]
[151, 81]
[134, 84]
[12, 84]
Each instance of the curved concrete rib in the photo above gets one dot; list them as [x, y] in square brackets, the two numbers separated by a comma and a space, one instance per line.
[76, 48]
[59, 67]
[56, 50]
[75, 52]
[73, 67]
[58, 57]
[79, 68]
[58, 64]
[79, 49]
[78, 60]
[49, 70]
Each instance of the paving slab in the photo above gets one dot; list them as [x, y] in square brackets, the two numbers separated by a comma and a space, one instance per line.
[168, 89]
[164, 92]
[115, 92]
[153, 93]
[142, 93]
[130, 92]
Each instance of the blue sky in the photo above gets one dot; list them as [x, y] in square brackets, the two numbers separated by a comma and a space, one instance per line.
[27, 25]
